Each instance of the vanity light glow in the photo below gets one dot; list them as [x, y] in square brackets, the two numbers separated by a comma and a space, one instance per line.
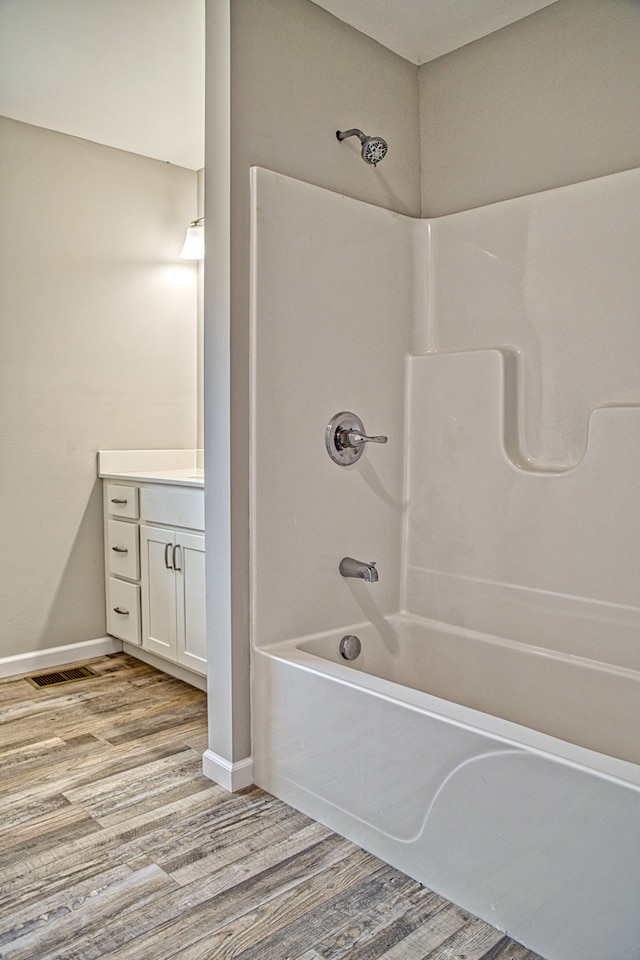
[193, 247]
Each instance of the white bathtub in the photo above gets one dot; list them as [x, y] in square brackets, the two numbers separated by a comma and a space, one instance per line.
[502, 776]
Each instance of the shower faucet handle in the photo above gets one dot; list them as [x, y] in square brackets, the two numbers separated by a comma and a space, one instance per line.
[345, 438]
[353, 438]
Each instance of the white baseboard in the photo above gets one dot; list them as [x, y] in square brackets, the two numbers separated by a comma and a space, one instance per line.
[231, 776]
[37, 660]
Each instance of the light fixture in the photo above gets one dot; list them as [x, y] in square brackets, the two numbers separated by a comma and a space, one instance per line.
[193, 247]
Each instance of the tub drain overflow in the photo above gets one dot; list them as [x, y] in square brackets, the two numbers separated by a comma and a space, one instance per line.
[350, 647]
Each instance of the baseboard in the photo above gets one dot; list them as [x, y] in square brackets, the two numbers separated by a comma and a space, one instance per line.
[231, 776]
[37, 660]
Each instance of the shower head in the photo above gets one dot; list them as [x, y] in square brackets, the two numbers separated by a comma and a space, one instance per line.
[374, 149]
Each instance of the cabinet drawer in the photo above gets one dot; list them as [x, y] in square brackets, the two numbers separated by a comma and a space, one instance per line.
[123, 549]
[122, 501]
[179, 507]
[123, 610]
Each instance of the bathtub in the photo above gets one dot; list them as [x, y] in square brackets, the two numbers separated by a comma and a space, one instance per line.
[503, 776]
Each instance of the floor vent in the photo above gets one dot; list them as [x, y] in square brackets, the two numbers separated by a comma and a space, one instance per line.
[61, 676]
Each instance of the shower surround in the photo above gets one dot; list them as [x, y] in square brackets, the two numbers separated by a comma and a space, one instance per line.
[499, 351]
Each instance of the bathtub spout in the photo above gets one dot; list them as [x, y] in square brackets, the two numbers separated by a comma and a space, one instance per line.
[357, 568]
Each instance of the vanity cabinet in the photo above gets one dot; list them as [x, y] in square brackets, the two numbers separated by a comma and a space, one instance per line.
[173, 607]
[154, 557]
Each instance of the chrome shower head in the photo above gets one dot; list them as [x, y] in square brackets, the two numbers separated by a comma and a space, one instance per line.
[374, 149]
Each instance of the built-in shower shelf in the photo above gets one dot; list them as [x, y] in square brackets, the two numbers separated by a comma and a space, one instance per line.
[484, 521]
[511, 420]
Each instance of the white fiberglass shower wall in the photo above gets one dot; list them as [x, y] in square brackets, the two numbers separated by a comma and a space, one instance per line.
[499, 350]
[334, 281]
[524, 511]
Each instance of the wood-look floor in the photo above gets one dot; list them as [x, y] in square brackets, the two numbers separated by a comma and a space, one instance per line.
[114, 845]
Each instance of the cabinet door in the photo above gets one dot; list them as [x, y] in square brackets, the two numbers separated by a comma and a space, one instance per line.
[190, 583]
[158, 583]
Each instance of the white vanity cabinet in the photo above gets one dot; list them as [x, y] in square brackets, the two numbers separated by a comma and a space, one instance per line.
[173, 608]
[155, 552]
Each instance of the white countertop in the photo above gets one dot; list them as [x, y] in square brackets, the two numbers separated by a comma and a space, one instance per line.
[184, 477]
[177, 467]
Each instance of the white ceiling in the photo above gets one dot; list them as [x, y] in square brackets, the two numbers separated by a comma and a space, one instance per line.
[130, 73]
[421, 30]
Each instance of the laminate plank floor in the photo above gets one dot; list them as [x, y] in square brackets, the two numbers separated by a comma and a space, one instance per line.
[114, 844]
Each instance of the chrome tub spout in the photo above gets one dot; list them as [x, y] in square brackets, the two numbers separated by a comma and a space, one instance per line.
[358, 568]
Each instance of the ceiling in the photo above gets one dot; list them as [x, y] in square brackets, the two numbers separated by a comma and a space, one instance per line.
[130, 73]
[421, 30]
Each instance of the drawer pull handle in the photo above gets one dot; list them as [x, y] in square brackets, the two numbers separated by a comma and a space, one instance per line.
[120, 549]
[123, 613]
[119, 501]
[167, 551]
[177, 566]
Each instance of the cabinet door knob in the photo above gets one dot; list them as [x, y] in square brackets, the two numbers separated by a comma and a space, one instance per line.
[177, 566]
[167, 553]
[115, 500]
[120, 549]
[124, 613]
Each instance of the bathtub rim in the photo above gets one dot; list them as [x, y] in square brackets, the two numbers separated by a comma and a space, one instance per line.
[502, 731]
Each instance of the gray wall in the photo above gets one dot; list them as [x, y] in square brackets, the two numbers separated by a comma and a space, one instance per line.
[549, 100]
[97, 350]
